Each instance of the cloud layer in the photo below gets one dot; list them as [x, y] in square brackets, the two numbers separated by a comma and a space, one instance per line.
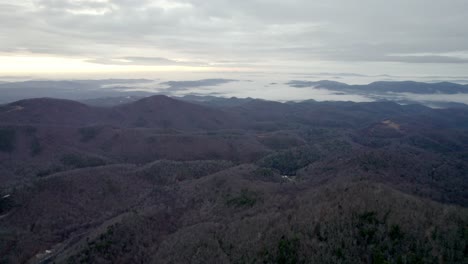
[250, 34]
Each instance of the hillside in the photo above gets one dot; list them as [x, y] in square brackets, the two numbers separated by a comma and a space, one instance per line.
[165, 112]
[161, 180]
[227, 217]
[157, 111]
[49, 111]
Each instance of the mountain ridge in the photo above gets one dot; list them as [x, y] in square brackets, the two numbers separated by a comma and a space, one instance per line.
[232, 180]
[387, 86]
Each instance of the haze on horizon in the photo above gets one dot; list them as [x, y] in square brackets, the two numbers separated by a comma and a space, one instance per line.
[417, 37]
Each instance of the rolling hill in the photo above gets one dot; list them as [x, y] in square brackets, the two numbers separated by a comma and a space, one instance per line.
[161, 180]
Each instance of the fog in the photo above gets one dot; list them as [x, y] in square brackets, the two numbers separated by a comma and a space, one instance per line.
[269, 86]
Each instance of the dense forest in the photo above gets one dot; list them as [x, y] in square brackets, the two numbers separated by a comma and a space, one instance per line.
[219, 180]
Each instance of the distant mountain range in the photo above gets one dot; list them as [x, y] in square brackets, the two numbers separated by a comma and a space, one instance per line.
[111, 92]
[387, 87]
[72, 90]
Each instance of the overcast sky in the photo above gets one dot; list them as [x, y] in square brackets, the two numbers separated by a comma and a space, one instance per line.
[360, 36]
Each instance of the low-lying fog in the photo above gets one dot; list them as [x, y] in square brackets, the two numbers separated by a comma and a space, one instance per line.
[256, 85]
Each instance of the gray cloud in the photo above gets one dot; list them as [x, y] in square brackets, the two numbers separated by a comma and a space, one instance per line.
[427, 59]
[275, 33]
[147, 61]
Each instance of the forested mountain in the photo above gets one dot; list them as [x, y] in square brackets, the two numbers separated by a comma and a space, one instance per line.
[228, 180]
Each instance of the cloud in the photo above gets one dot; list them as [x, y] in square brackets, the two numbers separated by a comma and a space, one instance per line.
[339, 35]
[147, 61]
[426, 59]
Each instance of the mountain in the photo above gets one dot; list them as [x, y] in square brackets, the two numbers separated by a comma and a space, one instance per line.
[333, 85]
[113, 92]
[70, 89]
[157, 111]
[162, 111]
[229, 180]
[387, 87]
[216, 101]
[49, 111]
[416, 87]
[227, 215]
[111, 101]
